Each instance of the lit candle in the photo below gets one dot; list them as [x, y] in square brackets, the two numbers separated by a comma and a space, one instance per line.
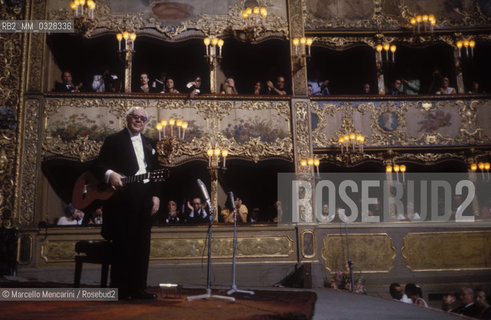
[126, 35]
[472, 44]
[396, 170]
[387, 48]
[184, 127]
[316, 164]
[164, 124]
[309, 44]
[341, 141]
[459, 47]
[418, 20]
[403, 170]
[172, 122]
[303, 41]
[481, 167]
[207, 45]
[224, 155]
[159, 128]
[466, 45]
[179, 125]
[220, 45]
[393, 50]
[133, 38]
[119, 36]
[295, 43]
[217, 154]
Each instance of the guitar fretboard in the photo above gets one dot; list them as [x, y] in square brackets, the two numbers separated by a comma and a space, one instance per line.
[137, 178]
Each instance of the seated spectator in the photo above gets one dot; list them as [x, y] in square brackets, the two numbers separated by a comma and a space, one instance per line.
[72, 216]
[105, 82]
[323, 89]
[193, 87]
[67, 84]
[169, 85]
[258, 88]
[228, 87]
[396, 88]
[398, 294]
[411, 86]
[468, 307]
[414, 292]
[94, 217]
[173, 216]
[475, 88]
[159, 84]
[197, 212]
[366, 89]
[445, 89]
[448, 301]
[143, 87]
[277, 89]
[309, 90]
[436, 81]
[483, 305]
[228, 213]
[279, 212]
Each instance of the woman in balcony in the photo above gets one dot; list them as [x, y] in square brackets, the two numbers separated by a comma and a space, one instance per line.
[169, 84]
[445, 89]
[228, 87]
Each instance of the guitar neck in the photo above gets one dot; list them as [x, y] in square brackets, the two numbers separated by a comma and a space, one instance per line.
[137, 178]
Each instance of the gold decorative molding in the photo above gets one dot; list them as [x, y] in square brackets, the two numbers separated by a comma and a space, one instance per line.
[447, 251]
[247, 247]
[308, 247]
[56, 251]
[211, 25]
[370, 252]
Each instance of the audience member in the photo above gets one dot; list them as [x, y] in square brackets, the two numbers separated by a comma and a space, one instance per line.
[396, 88]
[415, 293]
[172, 216]
[93, 217]
[475, 88]
[255, 216]
[228, 87]
[483, 305]
[448, 302]
[67, 84]
[277, 89]
[445, 89]
[106, 82]
[72, 216]
[193, 87]
[159, 84]
[309, 90]
[279, 212]
[468, 307]
[144, 87]
[258, 88]
[436, 81]
[366, 89]
[398, 294]
[169, 85]
[411, 86]
[323, 89]
[197, 214]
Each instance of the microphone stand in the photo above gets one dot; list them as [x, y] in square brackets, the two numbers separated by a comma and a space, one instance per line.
[208, 293]
[234, 286]
[350, 263]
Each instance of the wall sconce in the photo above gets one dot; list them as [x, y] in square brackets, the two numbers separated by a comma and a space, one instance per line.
[214, 158]
[255, 15]
[84, 15]
[311, 162]
[483, 166]
[396, 168]
[180, 124]
[211, 45]
[466, 44]
[129, 41]
[386, 47]
[428, 22]
[302, 42]
[352, 140]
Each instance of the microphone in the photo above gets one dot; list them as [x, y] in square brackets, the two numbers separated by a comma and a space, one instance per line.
[207, 198]
[231, 195]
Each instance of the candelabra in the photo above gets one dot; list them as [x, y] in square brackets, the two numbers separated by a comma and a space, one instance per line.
[466, 44]
[84, 15]
[255, 21]
[217, 160]
[427, 21]
[350, 142]
[126, 55]
[211, 45]
[180, 124]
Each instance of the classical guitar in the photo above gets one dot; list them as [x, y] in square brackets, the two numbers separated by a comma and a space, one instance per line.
[87, 189]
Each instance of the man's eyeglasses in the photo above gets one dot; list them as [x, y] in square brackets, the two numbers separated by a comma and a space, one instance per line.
[137, 117]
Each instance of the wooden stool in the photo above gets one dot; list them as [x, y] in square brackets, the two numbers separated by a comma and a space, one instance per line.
[97, 252]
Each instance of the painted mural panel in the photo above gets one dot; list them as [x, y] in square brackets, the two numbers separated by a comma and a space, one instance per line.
[442, 9]
[344, 9]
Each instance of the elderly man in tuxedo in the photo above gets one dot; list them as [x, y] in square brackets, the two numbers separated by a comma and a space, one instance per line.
[127, 214]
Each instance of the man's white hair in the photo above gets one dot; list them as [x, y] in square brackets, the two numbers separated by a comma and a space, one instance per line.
[132, 109]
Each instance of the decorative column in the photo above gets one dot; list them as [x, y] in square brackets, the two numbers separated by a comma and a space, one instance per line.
[298, 63]
[458, 70]
[128, 65]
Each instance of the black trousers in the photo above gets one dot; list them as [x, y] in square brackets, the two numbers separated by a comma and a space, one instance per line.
[129, 228]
